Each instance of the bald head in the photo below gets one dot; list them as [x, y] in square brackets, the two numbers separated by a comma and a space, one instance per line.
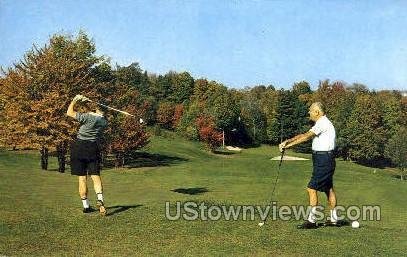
[318, 106]
[316, 110]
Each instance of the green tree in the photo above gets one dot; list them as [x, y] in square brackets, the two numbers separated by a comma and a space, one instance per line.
[223, 109]
[338, 102]
[301, 88]
[358, 88]
[301, 91]
[365, 132]
[390, 104]
[269, 104]
[209, 99]
[252, 116]
[396, 150]
[187, 126]
[133, 76]
[286, 125]
[182, 86]
[160, 87]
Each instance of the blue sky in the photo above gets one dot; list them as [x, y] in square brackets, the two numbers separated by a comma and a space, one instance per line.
[237, 43]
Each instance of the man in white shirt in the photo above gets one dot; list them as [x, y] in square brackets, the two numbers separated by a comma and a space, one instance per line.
[323, 145]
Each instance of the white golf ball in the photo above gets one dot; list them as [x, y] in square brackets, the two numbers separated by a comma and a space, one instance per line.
[141, 120]
[355, 224]
[261, 224]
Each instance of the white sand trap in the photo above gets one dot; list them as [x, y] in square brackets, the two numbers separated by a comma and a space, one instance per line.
[231, 148]
[288, 158]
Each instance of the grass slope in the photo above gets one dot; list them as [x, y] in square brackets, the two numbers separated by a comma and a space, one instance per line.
[40, 211]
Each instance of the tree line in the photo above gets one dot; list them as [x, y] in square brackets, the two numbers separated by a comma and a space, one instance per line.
[36, 90]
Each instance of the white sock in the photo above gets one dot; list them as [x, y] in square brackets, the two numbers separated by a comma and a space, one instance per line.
[334, 215]
[100, 196]
[85, 203]
[311, 217]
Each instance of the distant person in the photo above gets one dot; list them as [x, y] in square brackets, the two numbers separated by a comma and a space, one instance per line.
[85, 152]
[323, 145]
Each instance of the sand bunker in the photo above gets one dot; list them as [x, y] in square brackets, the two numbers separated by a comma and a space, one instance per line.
[231, 148]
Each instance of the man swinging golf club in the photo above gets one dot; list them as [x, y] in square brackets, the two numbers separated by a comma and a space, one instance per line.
[85, 152]
[323, 145]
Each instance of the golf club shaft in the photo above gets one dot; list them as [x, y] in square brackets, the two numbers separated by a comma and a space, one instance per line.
[275, 182]
[281, 159]
[114, 109]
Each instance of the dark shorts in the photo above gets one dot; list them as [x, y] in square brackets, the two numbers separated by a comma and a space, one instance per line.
[324, 168]
[85, 158]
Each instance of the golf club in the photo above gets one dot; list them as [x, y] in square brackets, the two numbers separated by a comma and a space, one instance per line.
[275, 184]
[114, 109]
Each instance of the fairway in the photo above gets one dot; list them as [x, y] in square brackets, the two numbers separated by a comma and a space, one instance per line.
[41, 213]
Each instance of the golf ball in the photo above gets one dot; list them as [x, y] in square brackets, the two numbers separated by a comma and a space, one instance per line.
[141, 120]
[261, 224]
[355, 224]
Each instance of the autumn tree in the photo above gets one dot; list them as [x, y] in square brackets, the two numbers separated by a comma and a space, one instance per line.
[187, 125]
[208, 133]
[165, 114]
[13, 92]
[53, 75]
[125, 134]
[178, 111]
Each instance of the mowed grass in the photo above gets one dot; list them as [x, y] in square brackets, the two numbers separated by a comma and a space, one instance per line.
[41, 213]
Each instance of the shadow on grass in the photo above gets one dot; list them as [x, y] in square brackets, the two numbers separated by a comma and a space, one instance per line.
[191, 191]
[399, 177]
[379, 163]
[112, 210]
[224, 152]
[143, 159]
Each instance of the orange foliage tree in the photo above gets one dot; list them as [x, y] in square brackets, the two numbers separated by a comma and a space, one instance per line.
[165, 114]
[208, 133]
[178, 111]
[38, 90]
[125, 134]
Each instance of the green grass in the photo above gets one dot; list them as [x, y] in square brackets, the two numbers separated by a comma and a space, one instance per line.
[41, 215]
